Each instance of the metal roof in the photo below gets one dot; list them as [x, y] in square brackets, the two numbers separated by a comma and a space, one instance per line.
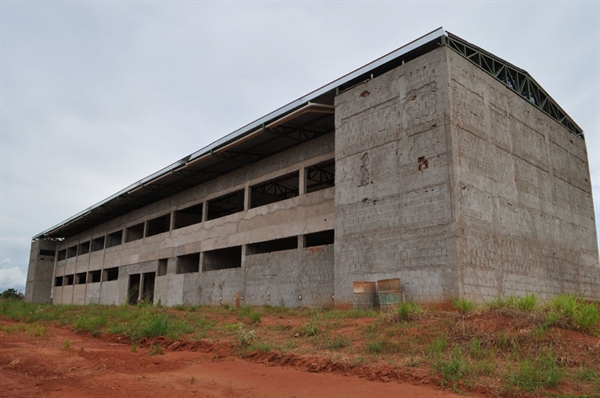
[306, 118]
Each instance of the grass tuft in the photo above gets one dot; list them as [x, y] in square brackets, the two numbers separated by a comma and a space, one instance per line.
[463, 306]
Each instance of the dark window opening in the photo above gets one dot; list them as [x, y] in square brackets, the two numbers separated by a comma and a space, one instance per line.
[148, 287]
[58, 281]
[71, 251]
[80, 278]
[275, 190]
[188, 216]
[158, 225]
[188, 263]
[46, 252]
[68, 281]
[272, 246]
[320, 176]
[319, 238]
[230, 257]
[225, 205]
[94, 276]
[62, 254]
[84, 247]
[134, 289]
[162, 266]
[135, 232]
[111, 274]
[114, 239]
[98, 244]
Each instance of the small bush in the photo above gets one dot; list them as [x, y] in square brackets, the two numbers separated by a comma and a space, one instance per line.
[375, 347]
[572, 313]
[533, 374]
[453, 369]
[91, 324]
[437, 347]
[409, 311]
[156, 349]
[463, 306]
[527, 303]
[337, 342]
[11, 294]
[245, 337]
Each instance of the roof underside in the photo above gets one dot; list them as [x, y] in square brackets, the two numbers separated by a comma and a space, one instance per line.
[304, 119]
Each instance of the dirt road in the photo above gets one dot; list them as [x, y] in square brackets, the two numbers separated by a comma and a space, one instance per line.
[91, 367]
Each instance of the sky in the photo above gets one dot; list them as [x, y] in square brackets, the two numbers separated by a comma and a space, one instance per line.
[95, 95]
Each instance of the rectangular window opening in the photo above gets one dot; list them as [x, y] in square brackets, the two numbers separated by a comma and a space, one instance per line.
[319, 238]
[84, 247]
[225, 205]
[272, 246]
[62, 254]
[275, 190]
[188, 264]
[94, 276]
[68, 281]
[72, 251]
[111, 274]
[58, 281]
[230, 257]
[158, 225]
[135, 232]
[162, 266]
[47, 253]
[98, 244]
[320, 176]
[80, 278]
[188, 216]
[114, 239]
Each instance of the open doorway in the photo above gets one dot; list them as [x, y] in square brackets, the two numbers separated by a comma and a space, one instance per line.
[148, 287]
[134, 289]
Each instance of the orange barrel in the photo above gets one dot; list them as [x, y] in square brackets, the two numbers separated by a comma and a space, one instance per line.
[365, 295]
[389, 293]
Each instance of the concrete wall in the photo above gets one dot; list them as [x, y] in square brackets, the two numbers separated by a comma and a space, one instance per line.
[393, 197]
[304, 214]
[39, 274]
[522, 195]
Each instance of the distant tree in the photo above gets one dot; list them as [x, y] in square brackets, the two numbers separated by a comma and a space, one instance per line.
[11, 294]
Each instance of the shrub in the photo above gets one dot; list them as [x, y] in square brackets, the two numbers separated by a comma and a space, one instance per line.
[533, 374]
[11, 294]
[409, 311]
[527, 303]
[463, 306]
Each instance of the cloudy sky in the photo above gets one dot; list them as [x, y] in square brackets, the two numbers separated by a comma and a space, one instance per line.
[96, 95]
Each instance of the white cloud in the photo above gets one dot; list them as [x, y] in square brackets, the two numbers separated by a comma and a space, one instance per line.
[12, 278]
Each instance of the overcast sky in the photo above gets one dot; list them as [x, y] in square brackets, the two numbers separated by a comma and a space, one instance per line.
[97, 95]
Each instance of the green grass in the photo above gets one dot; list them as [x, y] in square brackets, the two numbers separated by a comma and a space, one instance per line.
[535, 373]
[573, 313]
[526, 303]
[453, 369]
[409, 311]
[463, 306]
[30, 329]
[511, 353]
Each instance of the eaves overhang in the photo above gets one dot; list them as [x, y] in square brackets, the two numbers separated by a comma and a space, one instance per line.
[306, 118]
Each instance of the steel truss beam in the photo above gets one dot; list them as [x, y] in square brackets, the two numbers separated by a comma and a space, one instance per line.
[321, 176]
[276, 189]
[515, 79]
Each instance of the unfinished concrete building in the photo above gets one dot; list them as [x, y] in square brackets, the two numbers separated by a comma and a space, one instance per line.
[439, 164]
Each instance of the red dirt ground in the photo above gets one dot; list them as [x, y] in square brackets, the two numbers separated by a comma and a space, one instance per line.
[91, 367]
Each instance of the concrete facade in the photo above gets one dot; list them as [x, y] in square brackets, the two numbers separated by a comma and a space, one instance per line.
[444, 178]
